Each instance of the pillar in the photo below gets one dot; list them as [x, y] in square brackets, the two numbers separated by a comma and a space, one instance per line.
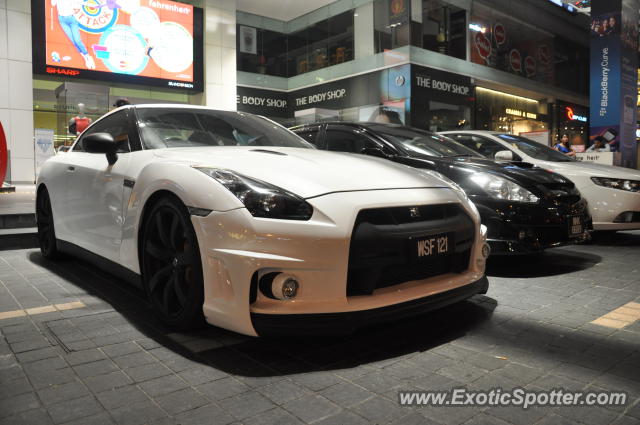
[220, 54]
[16, 88]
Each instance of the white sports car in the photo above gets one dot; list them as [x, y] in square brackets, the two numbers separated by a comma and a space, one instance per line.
[231, 218]
[613, 193]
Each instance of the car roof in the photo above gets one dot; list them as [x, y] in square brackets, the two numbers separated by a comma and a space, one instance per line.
[488, 132]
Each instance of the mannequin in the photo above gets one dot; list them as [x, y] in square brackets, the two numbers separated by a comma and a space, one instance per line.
[80, 122]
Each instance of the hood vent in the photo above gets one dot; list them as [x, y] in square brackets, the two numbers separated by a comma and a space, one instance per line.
[268, 151]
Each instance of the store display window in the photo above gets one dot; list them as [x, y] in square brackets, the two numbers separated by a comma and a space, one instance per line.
[512, 46]
[443, 29]
[325, 43]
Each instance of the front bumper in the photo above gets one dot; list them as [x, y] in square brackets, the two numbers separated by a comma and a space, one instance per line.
[237, 249]
[348, 322]
[516, 228]
[606, 206]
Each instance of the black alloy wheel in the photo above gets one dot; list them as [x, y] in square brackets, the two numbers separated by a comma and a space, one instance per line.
[171, 265]
[44, 222]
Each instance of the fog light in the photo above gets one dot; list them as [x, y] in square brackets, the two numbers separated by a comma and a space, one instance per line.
[486, 250]
[290, 288]
[285, 287]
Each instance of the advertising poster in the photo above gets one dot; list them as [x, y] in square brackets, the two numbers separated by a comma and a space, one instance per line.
[614, 65]
[43, 146]
[248, 40]
[146, 38]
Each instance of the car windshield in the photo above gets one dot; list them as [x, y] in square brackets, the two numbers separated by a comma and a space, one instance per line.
[183, 127]
[534, 149]
[419, 143]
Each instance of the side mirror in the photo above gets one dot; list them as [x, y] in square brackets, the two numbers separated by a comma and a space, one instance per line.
[374, 152]
[503, 156]
[101, 143]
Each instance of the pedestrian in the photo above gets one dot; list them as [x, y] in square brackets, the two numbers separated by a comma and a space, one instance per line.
[564, 146]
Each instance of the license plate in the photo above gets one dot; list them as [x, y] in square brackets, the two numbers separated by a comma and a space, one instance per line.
[575, 226]
[428, 247]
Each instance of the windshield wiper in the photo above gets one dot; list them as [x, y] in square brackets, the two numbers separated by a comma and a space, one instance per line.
[462, 155]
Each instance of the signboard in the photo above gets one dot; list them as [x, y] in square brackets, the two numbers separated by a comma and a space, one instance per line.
[605, 158]
[614, 67]
[156, 42]
[263, 102]
[43, 146]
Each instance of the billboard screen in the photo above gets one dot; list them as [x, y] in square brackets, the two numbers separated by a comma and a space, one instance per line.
[156, 42]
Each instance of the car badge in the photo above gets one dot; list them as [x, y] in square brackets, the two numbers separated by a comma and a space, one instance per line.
[414, 212]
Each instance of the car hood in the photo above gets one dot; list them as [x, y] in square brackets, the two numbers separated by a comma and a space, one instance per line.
[586, 169]
[305, 172]
[522, 172]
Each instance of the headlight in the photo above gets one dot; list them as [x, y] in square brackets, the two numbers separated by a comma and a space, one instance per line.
[260, 198]
[622, 184]
[499, 188]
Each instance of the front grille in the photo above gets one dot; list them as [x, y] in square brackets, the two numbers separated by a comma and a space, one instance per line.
[380, 252]
[561, 193]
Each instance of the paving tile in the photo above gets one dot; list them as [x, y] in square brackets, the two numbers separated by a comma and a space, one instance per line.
[380, 410]
[164, 385]
[223, 388]
[181, 400]
[148, 372]
[75, 358]
[17, 404]
[246, 405]
[141, 412]
[63, 392]
[311, 408]
[201, 375]
[67, 411]
[107, 381]
[29, 417]
[203, 415]
[99, 367]
[346, 394]
[118, 397]
[275, 416]
[344, 417]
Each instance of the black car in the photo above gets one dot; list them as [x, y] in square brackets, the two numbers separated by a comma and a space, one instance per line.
[525, 208]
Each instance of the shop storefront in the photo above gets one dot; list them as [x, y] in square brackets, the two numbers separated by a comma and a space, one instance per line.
[440, 100]
[407, 94]
[498, 111]
[572, 120]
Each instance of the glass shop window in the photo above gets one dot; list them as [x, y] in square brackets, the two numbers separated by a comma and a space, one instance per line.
[391, 24]
[443, 29]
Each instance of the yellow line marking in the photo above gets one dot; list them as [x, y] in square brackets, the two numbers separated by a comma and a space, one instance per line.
[41, 310]
[620, 317]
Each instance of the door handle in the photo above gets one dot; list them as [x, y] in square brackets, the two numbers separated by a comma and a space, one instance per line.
[71, 168]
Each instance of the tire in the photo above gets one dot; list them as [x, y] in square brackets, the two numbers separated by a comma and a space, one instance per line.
[46, 230]
[171, 265]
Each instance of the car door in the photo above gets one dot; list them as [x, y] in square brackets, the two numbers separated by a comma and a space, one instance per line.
[95, 189]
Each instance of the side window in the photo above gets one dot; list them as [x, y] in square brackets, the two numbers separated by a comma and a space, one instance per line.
[464, 139]
[115, 124]
[348, 141]
[489, 148]
[310, 135]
